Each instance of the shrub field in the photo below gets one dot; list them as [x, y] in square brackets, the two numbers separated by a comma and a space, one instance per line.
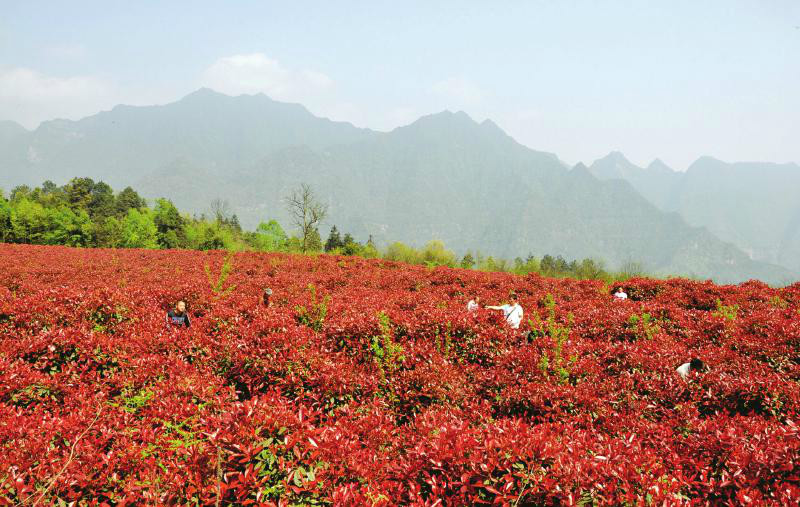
[367, 383]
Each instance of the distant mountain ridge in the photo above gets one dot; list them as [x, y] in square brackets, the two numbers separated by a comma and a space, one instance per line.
[205, 127]
[754, 205]
[444, 176]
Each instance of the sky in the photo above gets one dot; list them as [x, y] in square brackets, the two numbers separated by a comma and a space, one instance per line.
[673, 80]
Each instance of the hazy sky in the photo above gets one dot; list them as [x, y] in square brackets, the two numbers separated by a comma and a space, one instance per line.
[675, 81]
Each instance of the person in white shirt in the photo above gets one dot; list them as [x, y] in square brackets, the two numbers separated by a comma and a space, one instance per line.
[474, 303]
[686, 368]
[620, 295]
[512, 312]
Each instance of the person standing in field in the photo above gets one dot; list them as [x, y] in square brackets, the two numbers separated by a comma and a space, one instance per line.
[620, 295]
[178, 316]
[266, 297]
[474, 303]
[511, 311]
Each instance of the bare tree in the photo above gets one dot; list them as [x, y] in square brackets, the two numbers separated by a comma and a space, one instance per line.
[632, 269]
[221, 211]
[306, 211]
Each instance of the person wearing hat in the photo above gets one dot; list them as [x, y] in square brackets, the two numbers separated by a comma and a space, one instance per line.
[266, 297]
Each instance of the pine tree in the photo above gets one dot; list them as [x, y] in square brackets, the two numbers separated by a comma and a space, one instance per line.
[334, 240]
[234, 223]
[468, 261]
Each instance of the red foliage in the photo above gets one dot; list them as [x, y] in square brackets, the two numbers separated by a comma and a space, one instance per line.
[101, 404]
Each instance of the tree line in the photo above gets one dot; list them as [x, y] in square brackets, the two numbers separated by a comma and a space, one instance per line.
[86, 213]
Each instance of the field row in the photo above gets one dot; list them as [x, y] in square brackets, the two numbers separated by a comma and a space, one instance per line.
[367, 382]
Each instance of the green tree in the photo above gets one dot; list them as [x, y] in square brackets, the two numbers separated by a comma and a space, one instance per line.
[51, 195]
[205, 235]
[492, 264]
[548, 265]
[5, 219]
[529, 265]
[294, 244]
[435, 254]
[48, 187]
[28, 221]
[138, 230]
[108, 233]
[169, 224]
[334, 240]
[468, 261]
[20, 192]
[66, 226]
[591, 269]
[271, 236]
[313, 242]
[370, 251]
[101, 201]
[234, 223]
[401, 252]
[215, 238]
[126, 200]
[350, 246]
[79, 193]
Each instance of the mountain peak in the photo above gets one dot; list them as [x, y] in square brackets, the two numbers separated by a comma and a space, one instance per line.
[11, 127]
[204, 92]
[708, 159]
[705, 163]
[657, 165]
[617, 157]
[580, 168]
[490, 126]
[207, 95]
[446, 117]
[443, 122]
[614, 163]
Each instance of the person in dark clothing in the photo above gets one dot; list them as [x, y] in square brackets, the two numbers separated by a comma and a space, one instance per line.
[178, 316]
[267, 295]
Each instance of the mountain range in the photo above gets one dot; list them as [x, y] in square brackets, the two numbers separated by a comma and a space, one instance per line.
[445, 176]
[754, 205]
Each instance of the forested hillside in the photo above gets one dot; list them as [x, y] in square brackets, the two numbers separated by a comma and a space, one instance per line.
[443, 177]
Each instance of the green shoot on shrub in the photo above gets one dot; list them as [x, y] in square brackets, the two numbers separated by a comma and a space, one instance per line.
[313, 317]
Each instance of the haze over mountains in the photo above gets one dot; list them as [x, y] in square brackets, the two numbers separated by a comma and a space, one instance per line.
[754, 205]
[444, 177]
